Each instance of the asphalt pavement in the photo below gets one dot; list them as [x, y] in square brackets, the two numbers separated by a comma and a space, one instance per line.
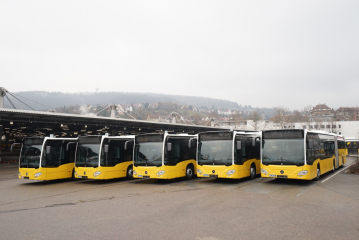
[202, 209]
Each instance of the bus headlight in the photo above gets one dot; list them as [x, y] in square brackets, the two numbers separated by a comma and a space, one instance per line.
[302, 173]
[199, 171]
[96, 173]
[264, 171]
[38, 174]
[19, 174]
[75, 173]
[230, 172]
[134, 173]
[160, 173]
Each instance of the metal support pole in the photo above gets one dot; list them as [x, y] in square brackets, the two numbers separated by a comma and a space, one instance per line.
[113, 110]
[2, 95]
[212, 122]
[174, 118]
[1, 127]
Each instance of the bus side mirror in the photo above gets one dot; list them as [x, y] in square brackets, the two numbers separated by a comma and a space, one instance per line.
[239, 145]
[48, 149]
[14, 144]
[125, 147]
[169, 147]
[190, 142]
[310, 143]
[67, 146]
[105, 148]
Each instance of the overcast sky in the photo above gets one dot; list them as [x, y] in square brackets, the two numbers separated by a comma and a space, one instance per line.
[258, 53]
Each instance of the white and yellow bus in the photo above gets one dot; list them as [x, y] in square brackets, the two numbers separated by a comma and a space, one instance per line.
[229, 154]
[104, 157]
[47, 158]
[352, 145]
[165, 156]
[301, 154]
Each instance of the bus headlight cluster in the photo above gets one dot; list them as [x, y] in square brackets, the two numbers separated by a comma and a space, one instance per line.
[75, 173]
[230, 172]
[38, 174]
[134, 173]
[302, 173]
[19, 173]
[96, 173]
[264, 171]
[199, 171]
[160, 173]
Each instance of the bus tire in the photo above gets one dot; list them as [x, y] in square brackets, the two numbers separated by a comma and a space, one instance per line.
[73, 175]
[318, 173]
[189, 172]
[129, 172]
[252, 171]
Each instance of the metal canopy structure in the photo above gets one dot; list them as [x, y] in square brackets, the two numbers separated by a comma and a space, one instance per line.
[17, 124]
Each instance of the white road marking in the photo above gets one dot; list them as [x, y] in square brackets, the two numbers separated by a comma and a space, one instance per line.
[337, 173]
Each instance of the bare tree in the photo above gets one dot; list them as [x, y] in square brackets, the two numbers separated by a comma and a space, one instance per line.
[306, 115]
[281, 116]
[256, 116]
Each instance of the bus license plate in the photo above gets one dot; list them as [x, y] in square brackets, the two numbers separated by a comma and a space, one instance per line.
[213, 176]
[282, 176]
[84, 177]
[140, 176]
[26, 177]
[205, 175]
[146, 176]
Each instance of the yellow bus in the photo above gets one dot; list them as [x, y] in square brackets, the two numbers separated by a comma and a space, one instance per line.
[300, 154]
[47, 158]
[229, 154]
[104, 157]
[352, 145]
[165, 156]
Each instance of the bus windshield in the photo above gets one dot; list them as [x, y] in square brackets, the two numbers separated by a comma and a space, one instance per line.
[218, 152]
[30, 156]
[87, 155]
[148, 154]
[283, 152]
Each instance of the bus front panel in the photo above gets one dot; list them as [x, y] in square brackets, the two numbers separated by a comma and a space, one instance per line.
[164, 172]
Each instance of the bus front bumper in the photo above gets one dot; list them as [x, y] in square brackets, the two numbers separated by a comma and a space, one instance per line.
[284, 171]
[151, 172]
[32, 174]
[220, 171]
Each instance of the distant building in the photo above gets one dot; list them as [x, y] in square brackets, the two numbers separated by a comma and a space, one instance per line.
[347, 114]
[322, 113]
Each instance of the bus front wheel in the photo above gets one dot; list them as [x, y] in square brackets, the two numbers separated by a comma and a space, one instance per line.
[189, 172]
[318, 174]
[129, 174]
[252, 172]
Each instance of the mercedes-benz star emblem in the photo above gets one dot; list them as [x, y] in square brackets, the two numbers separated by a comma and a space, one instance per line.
[281, 171]
[26, 174]
[145, 172]
[213, 171]
[84, 173]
